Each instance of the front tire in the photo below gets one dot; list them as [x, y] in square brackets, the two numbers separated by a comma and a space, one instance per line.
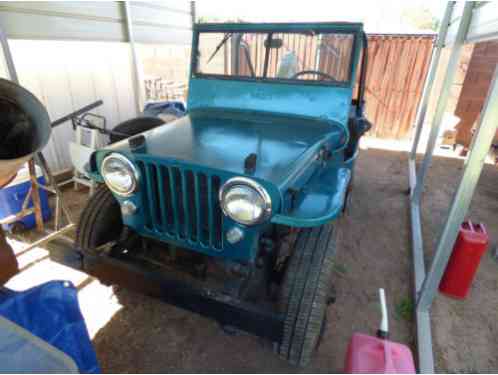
[100, 221]
[305, 293]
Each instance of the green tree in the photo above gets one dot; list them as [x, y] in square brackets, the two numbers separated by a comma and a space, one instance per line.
[420, 18]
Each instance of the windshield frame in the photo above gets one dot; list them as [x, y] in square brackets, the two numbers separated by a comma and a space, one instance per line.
[341, 28]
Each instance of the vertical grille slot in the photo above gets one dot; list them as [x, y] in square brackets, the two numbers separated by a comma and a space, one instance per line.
[180, 199]
[152, 190]
[204, 213]
[145, 197]
[216, 213]
[191, 204]
[165, 199]
[182, 204]
[174, 203]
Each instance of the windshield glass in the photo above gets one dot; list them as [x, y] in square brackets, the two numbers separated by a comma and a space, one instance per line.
[322, 57]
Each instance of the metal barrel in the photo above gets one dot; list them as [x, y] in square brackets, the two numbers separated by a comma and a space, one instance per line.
[24, 128]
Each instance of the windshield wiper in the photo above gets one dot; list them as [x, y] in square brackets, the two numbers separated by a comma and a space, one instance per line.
[223, 41]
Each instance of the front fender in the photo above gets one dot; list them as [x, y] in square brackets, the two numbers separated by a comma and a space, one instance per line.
[321, 201]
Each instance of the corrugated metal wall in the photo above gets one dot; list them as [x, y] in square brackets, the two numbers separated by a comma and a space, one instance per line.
[68, 75]
[87, 57]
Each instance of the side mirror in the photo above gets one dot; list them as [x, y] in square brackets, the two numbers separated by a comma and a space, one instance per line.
[274, 43]
[363, 125]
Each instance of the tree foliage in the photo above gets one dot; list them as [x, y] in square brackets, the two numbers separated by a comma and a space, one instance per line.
[420, 18]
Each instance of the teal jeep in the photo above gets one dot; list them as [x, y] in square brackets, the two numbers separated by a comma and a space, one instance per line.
[229, 211]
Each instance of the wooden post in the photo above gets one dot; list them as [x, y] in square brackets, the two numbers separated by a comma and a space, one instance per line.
[35, 195]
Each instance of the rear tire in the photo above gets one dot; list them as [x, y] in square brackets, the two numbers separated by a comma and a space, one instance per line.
[100, 221]
[305, 292]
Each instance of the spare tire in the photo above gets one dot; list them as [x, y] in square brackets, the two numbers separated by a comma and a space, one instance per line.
[134, 126]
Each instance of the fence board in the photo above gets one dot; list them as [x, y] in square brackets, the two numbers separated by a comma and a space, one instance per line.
[396, 71]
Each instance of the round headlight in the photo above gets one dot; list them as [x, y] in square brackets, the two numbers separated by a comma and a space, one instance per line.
[119, 174]
[245, 201]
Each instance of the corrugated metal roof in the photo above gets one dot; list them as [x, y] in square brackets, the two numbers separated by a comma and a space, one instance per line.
[165, 22]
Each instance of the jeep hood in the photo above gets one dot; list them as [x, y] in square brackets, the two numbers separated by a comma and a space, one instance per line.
[223, 140]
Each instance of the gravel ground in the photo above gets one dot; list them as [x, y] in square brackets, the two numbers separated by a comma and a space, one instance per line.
[374, 250]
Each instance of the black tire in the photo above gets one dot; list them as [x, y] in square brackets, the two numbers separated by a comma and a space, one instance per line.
[305, 293]
[134, 126]
[100, 221]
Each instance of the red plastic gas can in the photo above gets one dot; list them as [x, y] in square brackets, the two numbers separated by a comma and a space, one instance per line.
[470, 245]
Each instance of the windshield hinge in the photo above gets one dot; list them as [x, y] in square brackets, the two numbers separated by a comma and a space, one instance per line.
[250, 163]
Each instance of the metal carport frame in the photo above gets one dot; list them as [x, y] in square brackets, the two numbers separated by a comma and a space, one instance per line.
[462, 23]
[132, 22]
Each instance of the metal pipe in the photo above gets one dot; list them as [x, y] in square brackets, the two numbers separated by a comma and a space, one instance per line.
[429, 81]
[423, 321]
[137, 82]
[443, 98]
[9, 61]
[192, 12]
[479, 149]
[35, 195]
[51, 181]
[16, 217]
[49, 237]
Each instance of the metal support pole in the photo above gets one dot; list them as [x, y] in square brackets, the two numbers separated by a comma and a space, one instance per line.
[9, 61]
[424, 335]
[443, 97]
[54, 188]
[35, 195]
[137, 81]
[479, 149]
[192, 12]
[429, 81]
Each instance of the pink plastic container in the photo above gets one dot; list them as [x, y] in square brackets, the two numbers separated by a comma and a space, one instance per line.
[368, 354]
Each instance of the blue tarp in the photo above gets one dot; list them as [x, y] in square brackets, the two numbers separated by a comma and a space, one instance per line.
[51, 312]
[165, 107]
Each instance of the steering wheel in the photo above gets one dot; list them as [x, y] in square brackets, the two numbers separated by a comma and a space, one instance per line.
[316, 72]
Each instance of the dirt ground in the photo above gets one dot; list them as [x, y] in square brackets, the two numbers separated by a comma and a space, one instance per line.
[374, 250]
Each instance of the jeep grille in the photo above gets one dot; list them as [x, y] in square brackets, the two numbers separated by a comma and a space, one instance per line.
[182, 204]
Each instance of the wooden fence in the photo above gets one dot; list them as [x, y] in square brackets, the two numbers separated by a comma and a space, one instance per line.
[396, 72]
